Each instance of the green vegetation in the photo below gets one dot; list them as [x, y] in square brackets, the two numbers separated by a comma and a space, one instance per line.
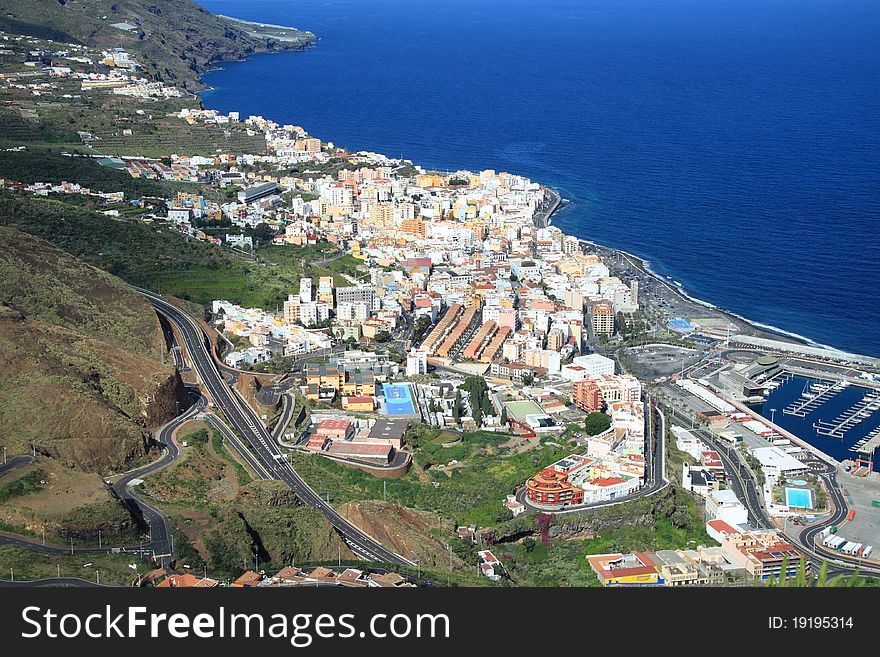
[219, 448]
[32, 482]
[632, 326]
[478, 397]
[802, 580]
[155, 258]
[470, 491]
[26, 564]
[265, 520]
[596, 423]
[222, 519]
[670, 521]
[41, 164]
[199, 478]
[755, 465]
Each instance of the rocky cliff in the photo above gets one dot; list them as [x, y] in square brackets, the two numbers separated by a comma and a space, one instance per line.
[81, 376]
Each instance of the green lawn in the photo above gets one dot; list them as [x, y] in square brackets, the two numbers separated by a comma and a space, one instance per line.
[205, 285]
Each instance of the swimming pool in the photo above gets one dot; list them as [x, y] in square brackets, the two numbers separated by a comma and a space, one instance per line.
[398, 399]
[801, 498]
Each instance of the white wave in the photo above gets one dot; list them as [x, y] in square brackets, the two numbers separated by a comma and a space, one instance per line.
[706, 304]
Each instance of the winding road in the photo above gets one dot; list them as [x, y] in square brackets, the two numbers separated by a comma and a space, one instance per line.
[160, 543]
[242, 418]
[15, 462]
[743, 484]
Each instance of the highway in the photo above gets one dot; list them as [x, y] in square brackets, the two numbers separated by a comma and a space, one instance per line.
[807, 536]
[245, 422]
[15, 462]
[739, 478]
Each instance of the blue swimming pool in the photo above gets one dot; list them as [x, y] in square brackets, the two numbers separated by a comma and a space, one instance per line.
[398, 399]
[801, 498]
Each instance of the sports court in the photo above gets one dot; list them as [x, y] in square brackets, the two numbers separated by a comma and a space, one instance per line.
[398, 399]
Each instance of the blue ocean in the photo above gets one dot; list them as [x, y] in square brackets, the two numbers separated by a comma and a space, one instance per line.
[735, 144]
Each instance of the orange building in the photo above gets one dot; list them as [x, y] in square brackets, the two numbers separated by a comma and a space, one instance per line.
[550, 488]
[414, 227]
[457, 334]
[481, 338]
[358, 404]
[586, 396]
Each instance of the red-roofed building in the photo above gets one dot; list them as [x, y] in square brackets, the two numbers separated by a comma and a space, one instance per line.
[336, 429]
[718, 529]
[370, 451]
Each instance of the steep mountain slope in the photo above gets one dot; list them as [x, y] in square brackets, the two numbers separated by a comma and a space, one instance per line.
[176, 40]
[80, 374]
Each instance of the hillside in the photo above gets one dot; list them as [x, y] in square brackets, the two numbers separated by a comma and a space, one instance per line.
[417, 535]
[175, 40]
[153, 257]
[223, 518]
[80, 376]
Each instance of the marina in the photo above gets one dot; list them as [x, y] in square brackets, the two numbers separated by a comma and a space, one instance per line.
[814, 396]
[853, 416]
[842, 419]
[868, 444]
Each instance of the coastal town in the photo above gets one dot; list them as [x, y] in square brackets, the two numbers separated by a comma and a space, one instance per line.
[448, 304]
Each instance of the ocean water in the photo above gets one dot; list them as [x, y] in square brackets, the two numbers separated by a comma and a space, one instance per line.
[833, 407]
[735, 144]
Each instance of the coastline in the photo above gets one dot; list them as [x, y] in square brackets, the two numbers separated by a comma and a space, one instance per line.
[746, 325]
[640, 264]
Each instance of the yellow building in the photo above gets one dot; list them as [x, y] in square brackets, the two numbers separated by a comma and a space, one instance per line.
[430, 180]
[382, 215]
[358, 404]
[325, 377]
[356, 251]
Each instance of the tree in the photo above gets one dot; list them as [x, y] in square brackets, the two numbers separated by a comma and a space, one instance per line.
[596, 423]
[504, 418]
[457, 406]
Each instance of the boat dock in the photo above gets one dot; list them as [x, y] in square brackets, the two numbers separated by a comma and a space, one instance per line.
[850, 418]
[868, 444]
[813, 400]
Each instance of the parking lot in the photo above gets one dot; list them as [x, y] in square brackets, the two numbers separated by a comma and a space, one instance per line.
[658, 360]
[865, 526]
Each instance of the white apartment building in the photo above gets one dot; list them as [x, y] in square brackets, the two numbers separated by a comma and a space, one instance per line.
[416, 363]
[595, 365]
[305, 290]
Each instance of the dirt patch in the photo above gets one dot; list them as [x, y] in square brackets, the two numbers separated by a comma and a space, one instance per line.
[411, 533]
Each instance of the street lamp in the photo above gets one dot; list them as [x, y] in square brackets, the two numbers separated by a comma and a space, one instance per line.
[773, 415]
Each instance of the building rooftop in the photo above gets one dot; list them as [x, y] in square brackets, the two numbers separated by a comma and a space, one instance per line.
[388, 429]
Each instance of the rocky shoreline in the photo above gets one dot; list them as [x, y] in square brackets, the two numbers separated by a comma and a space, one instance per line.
[634, 267]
